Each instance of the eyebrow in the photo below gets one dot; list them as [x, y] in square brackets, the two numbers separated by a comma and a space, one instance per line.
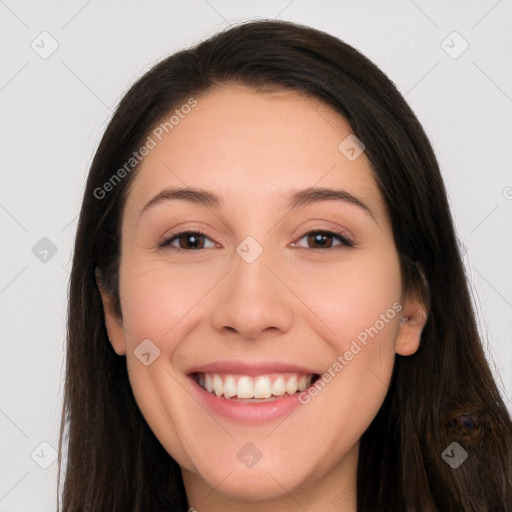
[191, 195]
[316, 194]
[298, 198]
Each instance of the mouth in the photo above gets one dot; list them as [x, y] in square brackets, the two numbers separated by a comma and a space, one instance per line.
[254, 388]
[251, 393]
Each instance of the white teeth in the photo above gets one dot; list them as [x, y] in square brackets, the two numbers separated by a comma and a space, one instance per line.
[208, 383]
[279, 387]
[218, 386]
[260, 387]
[245, 388]
[230, 387]
[291, 385]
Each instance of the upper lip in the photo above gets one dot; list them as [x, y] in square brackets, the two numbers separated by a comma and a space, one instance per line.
[252, 368]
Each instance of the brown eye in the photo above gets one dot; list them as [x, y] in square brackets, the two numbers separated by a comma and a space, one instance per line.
[326, 240]
[191, 241]
[320, 240]
[188, 240]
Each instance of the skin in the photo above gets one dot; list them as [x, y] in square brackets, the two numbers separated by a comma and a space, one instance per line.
[295, 303]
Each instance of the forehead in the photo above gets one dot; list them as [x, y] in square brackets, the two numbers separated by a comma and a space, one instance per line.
[249, 145]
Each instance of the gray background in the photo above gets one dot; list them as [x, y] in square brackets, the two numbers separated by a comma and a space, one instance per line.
[54, 110]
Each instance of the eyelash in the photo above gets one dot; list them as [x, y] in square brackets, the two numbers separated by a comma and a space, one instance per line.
[344, 241]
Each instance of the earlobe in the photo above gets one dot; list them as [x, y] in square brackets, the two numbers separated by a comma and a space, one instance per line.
[113, 322]
[414, 318]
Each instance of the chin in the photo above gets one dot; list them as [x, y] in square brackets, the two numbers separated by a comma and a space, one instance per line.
[251, 485]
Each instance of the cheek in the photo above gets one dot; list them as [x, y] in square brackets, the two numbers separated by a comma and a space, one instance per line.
[157, 299]
[355, 297]
[359, 308]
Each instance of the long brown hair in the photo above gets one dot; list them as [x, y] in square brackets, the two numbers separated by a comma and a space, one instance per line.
[444, 393]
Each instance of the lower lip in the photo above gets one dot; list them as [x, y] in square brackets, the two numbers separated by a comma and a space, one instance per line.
[248, 413]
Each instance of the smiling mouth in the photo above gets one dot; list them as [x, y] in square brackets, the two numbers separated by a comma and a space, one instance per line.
[246, 388]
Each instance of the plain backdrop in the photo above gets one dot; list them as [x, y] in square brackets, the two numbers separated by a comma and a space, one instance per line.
[65, 66]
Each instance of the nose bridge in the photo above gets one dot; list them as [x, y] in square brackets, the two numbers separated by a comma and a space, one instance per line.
[252, 280]
[251, 273]
[252, 299]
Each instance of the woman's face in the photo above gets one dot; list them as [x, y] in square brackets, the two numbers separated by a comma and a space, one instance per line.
[288, 272]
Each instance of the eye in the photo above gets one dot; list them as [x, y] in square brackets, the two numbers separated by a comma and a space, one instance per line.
[187, 240]
[325, 240]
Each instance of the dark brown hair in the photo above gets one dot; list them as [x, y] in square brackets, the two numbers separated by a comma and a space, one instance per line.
[442, 394]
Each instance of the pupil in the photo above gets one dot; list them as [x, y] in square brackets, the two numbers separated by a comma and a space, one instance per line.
[191, 241]
[319, 239]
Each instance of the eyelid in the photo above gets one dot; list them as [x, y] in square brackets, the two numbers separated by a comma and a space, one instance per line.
[344, 237]
[166, 240]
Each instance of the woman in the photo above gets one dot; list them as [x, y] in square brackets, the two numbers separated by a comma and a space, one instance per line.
[268, 309]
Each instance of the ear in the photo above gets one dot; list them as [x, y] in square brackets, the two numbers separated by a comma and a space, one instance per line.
[113, 322]
[413, 319]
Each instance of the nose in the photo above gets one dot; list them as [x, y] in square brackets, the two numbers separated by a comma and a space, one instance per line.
[252, 300]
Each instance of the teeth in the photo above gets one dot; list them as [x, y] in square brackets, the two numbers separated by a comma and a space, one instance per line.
[303, 383]
[244, 388]
[218, 386]
[260, 387]
[279, 386]
[230, 387]
[208, 383]
[291, 385]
